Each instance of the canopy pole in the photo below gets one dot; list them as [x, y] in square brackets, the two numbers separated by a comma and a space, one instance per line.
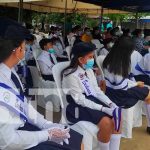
[102, 13]
[65, 15]
[137, 20]
[20, 12]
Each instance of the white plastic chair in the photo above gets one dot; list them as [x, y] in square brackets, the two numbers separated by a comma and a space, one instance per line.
[97, 43]
[87, 129]
[132, 117]
[68, 50]
[46, 93]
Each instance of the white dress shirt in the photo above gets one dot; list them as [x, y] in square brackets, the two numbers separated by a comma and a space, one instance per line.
[145, 64]
[10, 137]
[59, 50]
[45, 63]
[104, 52]
[29, 53]
[76, 90]
[117, 81]
[135, 58]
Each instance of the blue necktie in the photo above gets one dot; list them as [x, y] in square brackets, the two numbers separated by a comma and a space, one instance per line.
[17, 83]
[51, 59]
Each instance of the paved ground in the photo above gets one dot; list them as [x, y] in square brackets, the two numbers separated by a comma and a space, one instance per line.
[140, 140]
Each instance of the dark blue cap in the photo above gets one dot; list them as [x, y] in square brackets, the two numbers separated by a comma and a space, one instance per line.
[12, 30]
[82, 49]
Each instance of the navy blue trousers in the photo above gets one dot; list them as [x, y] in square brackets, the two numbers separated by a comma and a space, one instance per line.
[74, 142]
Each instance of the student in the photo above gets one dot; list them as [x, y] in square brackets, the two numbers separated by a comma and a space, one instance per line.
[143, 68]
[139, 42]
[21, 126]
[85, 95]
[60, 53]
[120, 89]
[29, 50]
[47, 59]
[87, 36]
[108, 44]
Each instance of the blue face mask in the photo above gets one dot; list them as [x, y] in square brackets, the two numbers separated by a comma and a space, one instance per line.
[89, 64]
[51, 51]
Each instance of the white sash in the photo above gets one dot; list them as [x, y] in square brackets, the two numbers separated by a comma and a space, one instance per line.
[88, 89]
[10, 99]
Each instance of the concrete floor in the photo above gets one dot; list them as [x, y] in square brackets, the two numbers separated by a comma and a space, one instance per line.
[140, 140]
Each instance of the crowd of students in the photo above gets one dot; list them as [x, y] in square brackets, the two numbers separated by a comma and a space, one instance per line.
[125, 80]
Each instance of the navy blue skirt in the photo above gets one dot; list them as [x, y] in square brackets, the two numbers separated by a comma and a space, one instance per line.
[128, 98]
[143, 78]
[84, 113]
[74, 141]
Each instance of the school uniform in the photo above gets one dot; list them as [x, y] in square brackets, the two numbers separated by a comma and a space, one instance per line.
[103, 51]
[59, 52]
[87, 101]
[29, 56]
[46, 61]
[123, 91]
[21, 126]
[143, 69]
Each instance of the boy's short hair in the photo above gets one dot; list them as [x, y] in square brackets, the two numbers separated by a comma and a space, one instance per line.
[44, 42]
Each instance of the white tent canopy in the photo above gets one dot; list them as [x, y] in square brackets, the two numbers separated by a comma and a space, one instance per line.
[58, 6]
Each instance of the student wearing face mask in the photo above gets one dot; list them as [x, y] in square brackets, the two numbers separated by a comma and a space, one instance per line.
[108, 44]
[139, 42]
[47, 59]
[96, 34]
[87, 36]
[86, 97]
[21, 126]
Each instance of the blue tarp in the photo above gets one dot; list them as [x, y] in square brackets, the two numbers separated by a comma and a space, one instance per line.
[128, 5]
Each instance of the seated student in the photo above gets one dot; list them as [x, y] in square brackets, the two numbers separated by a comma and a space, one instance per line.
[120, 89]
[29, 50]
[46, 59]
[87, 36]
[108, 44]
[138, 37]
[85, 95]
[60, 53]
[143, 68]
[21, 126]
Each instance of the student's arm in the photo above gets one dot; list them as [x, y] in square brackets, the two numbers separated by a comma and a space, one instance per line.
[45, 69]
[73, 85]
[13, 139]
[99, 93]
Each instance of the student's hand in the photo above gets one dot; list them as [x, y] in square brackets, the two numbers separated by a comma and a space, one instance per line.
[113, 105]
[140, 84]
[108, 111]
[59, 135]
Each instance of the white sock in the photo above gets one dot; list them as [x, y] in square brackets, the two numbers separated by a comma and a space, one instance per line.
[104, 146]
[115, 142]
[148, 114]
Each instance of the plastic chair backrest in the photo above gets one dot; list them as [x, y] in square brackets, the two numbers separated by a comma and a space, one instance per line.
[97, 43]
[57, 69]
[68, 50]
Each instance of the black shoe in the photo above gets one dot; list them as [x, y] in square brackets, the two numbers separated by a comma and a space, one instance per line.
[148, 130]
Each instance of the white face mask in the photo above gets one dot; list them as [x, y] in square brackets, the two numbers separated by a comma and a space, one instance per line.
[142, 35]
[110, 45]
